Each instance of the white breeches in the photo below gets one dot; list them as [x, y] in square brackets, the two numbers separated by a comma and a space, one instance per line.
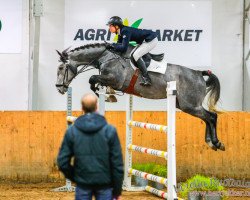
[144, 48]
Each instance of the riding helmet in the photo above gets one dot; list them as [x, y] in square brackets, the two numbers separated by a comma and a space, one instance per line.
[115, 20]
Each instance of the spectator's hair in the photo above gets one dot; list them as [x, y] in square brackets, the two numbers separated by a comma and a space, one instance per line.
[89, 105]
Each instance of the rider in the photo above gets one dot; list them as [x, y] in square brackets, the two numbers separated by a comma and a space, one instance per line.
[147, 40]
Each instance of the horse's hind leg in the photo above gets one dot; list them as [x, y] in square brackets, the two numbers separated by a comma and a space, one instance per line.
[200, 112]
[213, 125]
[210, 119]
[208, 138]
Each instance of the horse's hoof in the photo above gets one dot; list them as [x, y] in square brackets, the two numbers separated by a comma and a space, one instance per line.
[110, 90]
[111, 99]
[210, 144]
[214, 148]
[222, 147]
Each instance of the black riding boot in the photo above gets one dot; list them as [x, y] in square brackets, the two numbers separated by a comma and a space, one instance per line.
[145, 77]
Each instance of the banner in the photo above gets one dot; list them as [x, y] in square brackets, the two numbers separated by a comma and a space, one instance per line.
[10, 26]
[183, 27]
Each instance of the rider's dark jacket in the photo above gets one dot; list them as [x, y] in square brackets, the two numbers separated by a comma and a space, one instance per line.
[128, 34]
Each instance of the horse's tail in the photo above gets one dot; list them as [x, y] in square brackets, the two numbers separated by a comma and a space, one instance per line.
[213, 88]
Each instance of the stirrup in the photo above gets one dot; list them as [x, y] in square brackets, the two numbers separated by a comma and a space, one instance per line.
[146, 81]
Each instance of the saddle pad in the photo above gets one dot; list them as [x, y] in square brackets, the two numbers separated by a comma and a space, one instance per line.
[155, 66]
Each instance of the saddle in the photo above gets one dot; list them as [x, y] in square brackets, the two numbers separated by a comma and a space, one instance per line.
[147, 58]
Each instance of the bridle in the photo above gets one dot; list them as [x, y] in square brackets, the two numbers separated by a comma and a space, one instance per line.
[66, 76]
[85, 67]
[74, 70]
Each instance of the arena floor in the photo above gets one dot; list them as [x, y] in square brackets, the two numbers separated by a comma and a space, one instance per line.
[41, 191]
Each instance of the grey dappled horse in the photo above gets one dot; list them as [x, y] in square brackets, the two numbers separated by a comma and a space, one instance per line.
[116, 72]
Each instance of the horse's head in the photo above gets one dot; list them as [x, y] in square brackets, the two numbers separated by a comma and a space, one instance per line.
[89, 56]
[65, 73]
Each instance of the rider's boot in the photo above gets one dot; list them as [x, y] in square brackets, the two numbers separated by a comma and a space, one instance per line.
[145, 77]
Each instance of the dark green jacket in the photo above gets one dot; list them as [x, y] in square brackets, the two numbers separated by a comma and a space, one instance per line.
[97, 154]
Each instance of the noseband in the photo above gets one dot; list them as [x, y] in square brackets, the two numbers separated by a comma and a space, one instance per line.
[66, 75]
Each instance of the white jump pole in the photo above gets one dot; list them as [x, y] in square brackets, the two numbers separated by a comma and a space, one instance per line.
[171, 96]
[128, 154]
[148, 176]
[149, 126]
[68, 186]
[102, 92]
[69, 113]
[154, 152]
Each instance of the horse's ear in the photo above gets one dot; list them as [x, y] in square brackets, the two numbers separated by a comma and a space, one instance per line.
[59, 53]
[65, 51]
[63, 58]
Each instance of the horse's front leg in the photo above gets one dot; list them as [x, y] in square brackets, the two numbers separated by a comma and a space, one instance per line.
[104, 80]
[93, 82]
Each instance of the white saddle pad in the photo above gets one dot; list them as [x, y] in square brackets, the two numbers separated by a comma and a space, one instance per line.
[155, 66]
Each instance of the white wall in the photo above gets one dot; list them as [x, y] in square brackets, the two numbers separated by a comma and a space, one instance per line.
[226, 58]
[14, 71]
[227, 51]
[51, 38]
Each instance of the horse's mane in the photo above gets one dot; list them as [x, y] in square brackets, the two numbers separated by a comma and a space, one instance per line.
[64, 56]
[87, 46]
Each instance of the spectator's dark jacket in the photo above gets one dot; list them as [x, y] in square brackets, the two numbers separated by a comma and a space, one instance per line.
[132, 34]
[97, 154]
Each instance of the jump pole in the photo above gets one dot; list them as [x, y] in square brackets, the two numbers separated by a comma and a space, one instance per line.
[68, 186]
[171, 135]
